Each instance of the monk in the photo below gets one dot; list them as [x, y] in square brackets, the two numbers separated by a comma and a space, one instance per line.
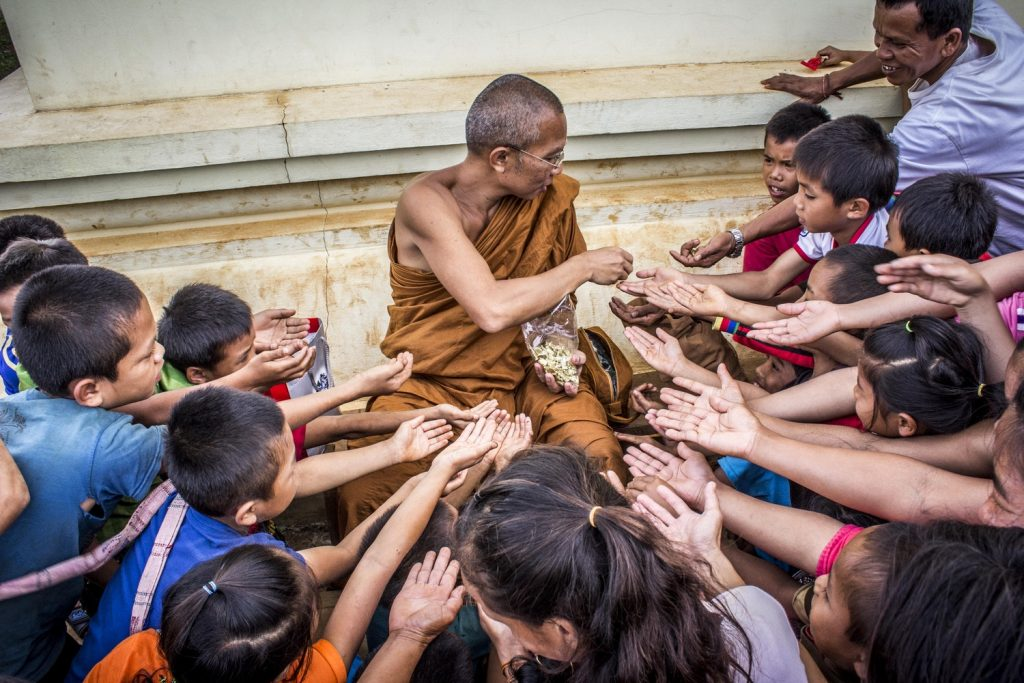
[477, 249]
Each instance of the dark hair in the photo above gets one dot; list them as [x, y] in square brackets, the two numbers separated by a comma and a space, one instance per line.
[251, 627]
[26, 257]
[852, 158]
[949, 213]
[198, 323]
[929, 368]
[72, 322]
[638, 605]
[886, 550]
[446, 659]
[794, 121]
[220, 448]
[508, 112]
[953, 614]
[855, 278]
[439, 533]
[938, 16]
[29, 226]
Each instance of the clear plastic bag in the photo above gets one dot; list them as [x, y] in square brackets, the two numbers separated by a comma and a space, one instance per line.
[552, 340]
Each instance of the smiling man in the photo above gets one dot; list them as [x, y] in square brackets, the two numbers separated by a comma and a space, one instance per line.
[962, 63]
[477, 249]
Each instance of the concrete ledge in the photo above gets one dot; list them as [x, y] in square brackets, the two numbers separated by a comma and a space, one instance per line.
[206, 144]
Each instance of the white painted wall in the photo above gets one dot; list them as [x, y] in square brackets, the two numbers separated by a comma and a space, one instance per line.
[78, 53]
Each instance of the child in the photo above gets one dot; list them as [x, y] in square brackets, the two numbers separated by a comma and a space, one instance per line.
[781, 134]
[231, 457]
[949, 213]
[249, 615]
[846, 170]
[21, 260]
[88, 337]
[31, 227]
[207, 334]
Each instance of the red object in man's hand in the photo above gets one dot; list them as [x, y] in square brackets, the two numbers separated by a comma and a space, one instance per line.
[813, 63]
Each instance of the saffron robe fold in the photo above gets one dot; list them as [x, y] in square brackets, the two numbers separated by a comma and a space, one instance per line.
[456, 362]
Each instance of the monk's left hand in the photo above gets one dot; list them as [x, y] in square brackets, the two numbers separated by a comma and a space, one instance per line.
[570, 388]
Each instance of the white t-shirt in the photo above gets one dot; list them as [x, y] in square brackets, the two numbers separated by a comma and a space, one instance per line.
[773, 647]
[812, 246]
[972, 120]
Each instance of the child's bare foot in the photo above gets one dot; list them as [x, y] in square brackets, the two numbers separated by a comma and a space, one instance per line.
[519, 437]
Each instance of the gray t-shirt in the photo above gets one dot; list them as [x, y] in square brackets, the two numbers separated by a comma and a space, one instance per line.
[773, 647]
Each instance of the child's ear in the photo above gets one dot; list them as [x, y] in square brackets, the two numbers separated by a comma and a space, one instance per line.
[907, 425]
[246, 515]
[197, 375]
[857, 208]
[86, 392]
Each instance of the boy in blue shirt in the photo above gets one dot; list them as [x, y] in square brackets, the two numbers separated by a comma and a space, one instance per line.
[88, 338]
[231, 457]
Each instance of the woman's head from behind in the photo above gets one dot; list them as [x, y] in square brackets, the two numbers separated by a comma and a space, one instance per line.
[549, 548]
[244, 616]
[921, 376]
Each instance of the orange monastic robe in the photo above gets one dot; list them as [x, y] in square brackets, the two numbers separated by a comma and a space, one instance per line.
[456, 362]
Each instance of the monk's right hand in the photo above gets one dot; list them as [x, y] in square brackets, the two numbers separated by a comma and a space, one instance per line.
[608, 265]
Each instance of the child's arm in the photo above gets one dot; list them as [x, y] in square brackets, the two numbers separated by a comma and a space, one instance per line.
[841, 347]
[889, 486]
[330, 562]
[269, 367]
[427, 605]
[766, 576]
[779, 218]
[822, 398]
[749, 286]
[14, 493]
[952, 281]
[709, 301]
[383, 379]
[329, 428]
[968, 452]
[351, 616]
[414, 440]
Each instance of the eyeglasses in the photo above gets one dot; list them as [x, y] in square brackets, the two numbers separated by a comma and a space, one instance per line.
[554, 162]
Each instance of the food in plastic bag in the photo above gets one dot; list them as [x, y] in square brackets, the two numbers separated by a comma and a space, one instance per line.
[552, 340]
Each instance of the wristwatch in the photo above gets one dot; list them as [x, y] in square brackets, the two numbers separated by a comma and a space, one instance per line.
[737, 238]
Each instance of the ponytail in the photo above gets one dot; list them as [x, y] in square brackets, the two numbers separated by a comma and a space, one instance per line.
[930, 369]
[550, 538]
[244, 616]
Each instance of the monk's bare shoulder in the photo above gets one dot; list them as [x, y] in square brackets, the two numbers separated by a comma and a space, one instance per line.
[427, 212]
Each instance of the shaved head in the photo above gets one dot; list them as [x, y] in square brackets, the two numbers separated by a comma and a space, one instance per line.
[508, 112]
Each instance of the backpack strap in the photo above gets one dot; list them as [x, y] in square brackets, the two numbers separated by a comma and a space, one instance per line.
[154, 568]
[95, 558]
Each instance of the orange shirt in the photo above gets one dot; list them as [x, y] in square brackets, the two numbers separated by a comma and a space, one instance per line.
[141, 652]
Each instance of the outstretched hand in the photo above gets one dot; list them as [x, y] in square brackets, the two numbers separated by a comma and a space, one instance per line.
[692, 255]
[661, 352]
[694, 532]
[648, 277]
[429, 601]
[813, 320]
[387, 377]
[936, 277]
[469, 449]
[279, 364]
[635, 314]
[417, 438]
[724, 427]
[276, 326]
